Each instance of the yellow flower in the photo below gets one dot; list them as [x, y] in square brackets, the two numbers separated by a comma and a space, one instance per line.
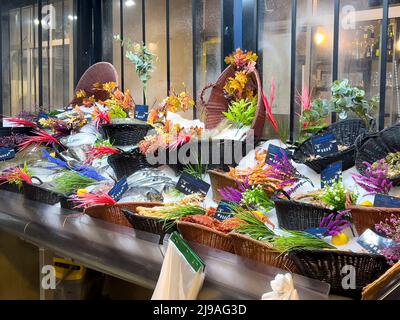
[109, 86]
[81, 94]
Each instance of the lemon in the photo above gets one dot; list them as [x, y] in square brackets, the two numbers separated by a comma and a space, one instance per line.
[53, 154]
[259, 214]
[340, 240]
[367, 204]
[81, 192]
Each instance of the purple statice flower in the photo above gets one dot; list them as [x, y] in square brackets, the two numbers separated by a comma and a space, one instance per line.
[234, 195]
[336, 223]
[392, 254]
[282, 169]
[376, 180]
[391, 229]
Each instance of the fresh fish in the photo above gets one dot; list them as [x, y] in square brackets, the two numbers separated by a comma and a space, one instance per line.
[142, 194]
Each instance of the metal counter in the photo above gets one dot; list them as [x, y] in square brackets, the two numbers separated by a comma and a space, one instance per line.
[135, 256]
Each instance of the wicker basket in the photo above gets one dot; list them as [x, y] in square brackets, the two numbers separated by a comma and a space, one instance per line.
[367, 217]
[299, 216]
[114, 213]
[11, 187]
[127, 163]
[219, 181]
[261, 252]
[372, 291]
[150, 225]
[376, 146]
[206, 236]
[125, 134]
[346, 133]
[68, 204]
[329, 266]
[217, 103]
[37, 193]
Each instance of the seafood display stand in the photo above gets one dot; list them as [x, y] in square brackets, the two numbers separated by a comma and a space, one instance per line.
[134, 256]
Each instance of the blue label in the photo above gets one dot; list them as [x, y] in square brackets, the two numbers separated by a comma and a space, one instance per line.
[383, 201]
[374, 243]
[188, 184]
[119, 189]
[275, 154]
[325, 145]
[141, 112]
[6, 154]
[331, 174]
[224, 211]
[318, 232]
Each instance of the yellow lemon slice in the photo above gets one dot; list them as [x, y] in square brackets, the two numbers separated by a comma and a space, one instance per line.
[367, 204]
[340, 239]
[81, 192]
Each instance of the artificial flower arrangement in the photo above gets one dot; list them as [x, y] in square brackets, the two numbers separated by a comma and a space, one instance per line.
[16, 176]
[143, 59]
[169, 135]
[346, 100]
[391, 229]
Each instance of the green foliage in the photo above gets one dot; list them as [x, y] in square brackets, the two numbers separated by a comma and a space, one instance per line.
[72, 181]
[346, 98]
[143, 59]
[335, 196]
[195, 170]
[258, 198]
[242, 112]
[117, 112]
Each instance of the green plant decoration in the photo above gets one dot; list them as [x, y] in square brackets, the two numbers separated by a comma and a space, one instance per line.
[143, 59]
[242, 112]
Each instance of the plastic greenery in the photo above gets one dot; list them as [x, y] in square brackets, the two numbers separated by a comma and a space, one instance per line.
[391, 228]
[143, 59]
[253, 226]
[71, 181]
[313, 119]
[346, 98]
[116, 112]
[376, 179]
[242, 112]
[335, 196]
[258, 198]
[194, 170]
[336, 223]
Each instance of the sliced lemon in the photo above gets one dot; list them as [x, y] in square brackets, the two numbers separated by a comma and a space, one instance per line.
[340, 239]
[367, 204]
[81, 192]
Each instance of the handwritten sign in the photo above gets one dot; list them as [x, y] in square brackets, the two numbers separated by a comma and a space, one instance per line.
[325, 145]
[331, 174]
[275, 153]
[383, 201]
[141, 112]
[119, 189]
[374, 243]
[6, 154]
[188, 184]
[224, 211]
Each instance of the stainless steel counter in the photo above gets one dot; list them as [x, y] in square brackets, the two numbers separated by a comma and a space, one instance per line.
[135, 256]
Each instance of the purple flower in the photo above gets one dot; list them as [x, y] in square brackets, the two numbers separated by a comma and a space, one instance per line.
[336, 223]
[376, 179]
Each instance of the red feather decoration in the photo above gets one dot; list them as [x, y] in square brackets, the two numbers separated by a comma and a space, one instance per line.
[90, 199]
[100, 152]
[268, 107]
[21, 122]
[41, 137]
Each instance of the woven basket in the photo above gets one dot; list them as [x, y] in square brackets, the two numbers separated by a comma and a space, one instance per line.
[150, 225]
[206, 236]
[298, 216]
[69, 205]
[219, 180]
[329, 266]
[346, 133]
[127, 163]
[367, 217]
[11, 187]
[114, 213]
[37, 193]
[217, 103]
[125, 134]
[372, 291]
[261, 252]
[376, 146]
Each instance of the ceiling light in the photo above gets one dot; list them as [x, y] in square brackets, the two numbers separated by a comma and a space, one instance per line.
[130, 3]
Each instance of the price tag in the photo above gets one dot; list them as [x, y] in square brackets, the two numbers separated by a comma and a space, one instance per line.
[275, 153]
[325, 145]
[317, 232]
[331, 174]
[6, 154]
[188, 184]
[224, 211]
[383, 201]
[119, 189]
[141, 112]
[374, 243]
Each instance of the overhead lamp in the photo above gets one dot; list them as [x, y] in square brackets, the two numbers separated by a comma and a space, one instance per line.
[130, 3]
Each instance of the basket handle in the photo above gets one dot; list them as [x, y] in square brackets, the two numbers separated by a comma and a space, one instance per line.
[38, 179]
[281, 191]
[203, 93]
[349, 200]
[362, 138]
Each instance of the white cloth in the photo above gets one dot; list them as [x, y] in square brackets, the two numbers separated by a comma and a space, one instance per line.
[178, 280]
[283, 289]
